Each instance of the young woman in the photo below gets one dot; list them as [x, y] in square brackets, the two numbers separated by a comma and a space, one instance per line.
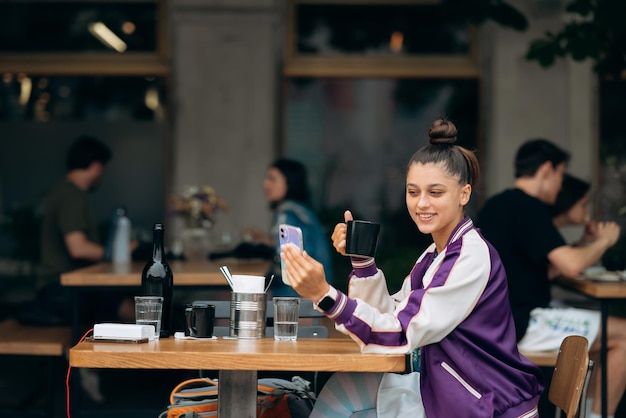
[572, 208]
[452, 312]
[287, 191]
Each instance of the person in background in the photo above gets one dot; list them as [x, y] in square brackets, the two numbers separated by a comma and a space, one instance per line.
[69, 234]
[287, 191]
[571, 208]
[519, 223]
[452, 312]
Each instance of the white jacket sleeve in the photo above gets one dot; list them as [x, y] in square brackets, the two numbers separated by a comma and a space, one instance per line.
[423, 315]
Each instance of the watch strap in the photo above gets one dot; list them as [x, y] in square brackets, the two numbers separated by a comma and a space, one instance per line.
[327, 301]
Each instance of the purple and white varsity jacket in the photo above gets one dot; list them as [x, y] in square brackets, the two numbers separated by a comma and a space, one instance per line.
[455, 307]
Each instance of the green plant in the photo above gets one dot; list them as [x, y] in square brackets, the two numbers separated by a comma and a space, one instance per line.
[596, 30]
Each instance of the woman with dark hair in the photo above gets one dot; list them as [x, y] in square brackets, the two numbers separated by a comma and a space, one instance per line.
[287, 191]
[572, 208]
[452, 313]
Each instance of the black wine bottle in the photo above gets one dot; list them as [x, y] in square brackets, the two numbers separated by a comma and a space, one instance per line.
[157, 280]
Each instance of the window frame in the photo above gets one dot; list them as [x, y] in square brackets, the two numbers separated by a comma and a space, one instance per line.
[96, 63]
[426, 66]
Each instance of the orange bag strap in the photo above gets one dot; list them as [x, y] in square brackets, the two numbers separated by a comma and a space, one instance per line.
[181, 385]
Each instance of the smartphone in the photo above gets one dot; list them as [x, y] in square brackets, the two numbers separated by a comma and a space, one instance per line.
[289, 234]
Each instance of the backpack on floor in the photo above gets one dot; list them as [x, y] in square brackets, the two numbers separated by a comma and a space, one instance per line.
[276, 398]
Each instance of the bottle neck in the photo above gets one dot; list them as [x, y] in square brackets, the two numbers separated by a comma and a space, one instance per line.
[157, 246]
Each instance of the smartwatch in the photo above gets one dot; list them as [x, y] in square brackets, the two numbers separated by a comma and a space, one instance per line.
[326, 303]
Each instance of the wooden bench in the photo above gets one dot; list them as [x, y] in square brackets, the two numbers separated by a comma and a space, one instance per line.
[50, 342]
[19, 339]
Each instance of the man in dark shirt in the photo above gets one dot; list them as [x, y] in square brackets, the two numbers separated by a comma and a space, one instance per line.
[518, 223]
[69, 235]
[70, 240]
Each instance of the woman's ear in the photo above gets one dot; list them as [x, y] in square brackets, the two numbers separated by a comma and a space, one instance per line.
[466, 193]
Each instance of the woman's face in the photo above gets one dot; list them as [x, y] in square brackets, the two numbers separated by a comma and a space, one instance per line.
[579, 213]
[275, 185]
[435, 200]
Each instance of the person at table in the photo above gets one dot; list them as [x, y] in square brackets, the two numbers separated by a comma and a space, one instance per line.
[571, 208]
[452, 312]
[70, 238]
[287, 191]
[519, 224]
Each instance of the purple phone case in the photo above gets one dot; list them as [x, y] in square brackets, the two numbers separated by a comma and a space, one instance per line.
[289, 234]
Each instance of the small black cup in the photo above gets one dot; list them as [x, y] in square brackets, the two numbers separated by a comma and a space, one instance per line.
[199, 320]
[362, 238]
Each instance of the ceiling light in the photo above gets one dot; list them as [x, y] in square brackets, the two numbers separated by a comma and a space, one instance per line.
[26, 86]
[128, 28]
[396, 41]
[152, 98]
[106, 36]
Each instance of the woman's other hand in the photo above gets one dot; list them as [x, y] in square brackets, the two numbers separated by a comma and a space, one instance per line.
[590, 234]
[305, 274]
[340, 233]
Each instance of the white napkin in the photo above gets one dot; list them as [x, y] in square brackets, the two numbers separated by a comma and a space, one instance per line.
[248, 284]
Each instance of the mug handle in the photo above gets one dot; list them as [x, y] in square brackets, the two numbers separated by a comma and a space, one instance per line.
[190, 320]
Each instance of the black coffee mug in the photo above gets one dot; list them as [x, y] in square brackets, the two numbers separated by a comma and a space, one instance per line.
[199, 320]
[362, 238]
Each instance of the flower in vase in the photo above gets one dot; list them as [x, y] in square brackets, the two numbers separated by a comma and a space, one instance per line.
[198, 206]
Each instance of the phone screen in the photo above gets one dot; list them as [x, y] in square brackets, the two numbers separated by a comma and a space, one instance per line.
[289, 234]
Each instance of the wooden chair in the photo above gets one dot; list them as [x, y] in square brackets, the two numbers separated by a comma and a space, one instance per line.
[571, 377]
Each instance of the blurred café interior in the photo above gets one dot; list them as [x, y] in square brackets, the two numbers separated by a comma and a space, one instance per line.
[195, 93]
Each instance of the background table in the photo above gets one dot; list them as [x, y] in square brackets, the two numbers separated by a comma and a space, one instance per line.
[186, 273]
[602, 291]
[237, 360]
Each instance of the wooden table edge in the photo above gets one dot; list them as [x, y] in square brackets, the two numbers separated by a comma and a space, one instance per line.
[307, 354]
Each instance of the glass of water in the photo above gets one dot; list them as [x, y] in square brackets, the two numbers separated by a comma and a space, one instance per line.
[286, 316]
[148, 311]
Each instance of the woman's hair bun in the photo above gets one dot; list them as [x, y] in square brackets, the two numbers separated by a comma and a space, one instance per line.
[442, 131]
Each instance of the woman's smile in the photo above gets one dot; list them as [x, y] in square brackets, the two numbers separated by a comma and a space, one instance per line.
[425, 216]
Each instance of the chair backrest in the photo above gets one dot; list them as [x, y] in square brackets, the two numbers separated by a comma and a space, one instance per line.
[222, 311]
[304, 331]
[570, 374]
[307, 310]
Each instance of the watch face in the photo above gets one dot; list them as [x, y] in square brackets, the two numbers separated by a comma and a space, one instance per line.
[326, 303]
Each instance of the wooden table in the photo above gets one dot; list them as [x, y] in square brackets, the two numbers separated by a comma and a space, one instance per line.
[186, 273]
[237, 360]
[603, 292]
[189, 273]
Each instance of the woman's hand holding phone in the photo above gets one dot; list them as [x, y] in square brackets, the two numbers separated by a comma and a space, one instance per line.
[289, 234]
[305, 273]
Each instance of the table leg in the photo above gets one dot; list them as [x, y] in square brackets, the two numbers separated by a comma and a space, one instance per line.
[237, 394]
[77, 390]
[604, 312]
